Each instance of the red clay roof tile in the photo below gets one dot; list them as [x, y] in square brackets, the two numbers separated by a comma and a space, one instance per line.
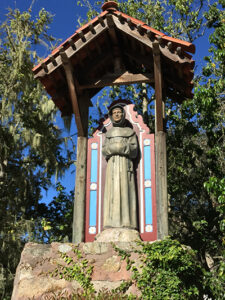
[110, 5]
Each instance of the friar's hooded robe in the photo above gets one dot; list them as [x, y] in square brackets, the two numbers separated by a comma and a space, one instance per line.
[120, 148]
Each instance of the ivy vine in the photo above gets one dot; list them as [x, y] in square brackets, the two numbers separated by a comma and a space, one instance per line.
[168, 270]
[77, 268]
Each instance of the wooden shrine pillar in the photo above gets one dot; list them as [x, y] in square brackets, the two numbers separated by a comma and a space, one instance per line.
[80, 107]
[80, 191]
[81, 173]
[160, 148]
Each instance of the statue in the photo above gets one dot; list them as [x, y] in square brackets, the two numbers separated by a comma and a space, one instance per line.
[119, 149]
[120, 183]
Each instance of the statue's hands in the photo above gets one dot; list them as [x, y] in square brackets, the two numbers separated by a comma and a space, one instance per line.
[117, 148]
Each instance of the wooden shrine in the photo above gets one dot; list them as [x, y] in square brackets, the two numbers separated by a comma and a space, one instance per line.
[116, 49]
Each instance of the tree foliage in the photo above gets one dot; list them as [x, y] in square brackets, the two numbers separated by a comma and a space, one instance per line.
[30, 143]
[53, 222]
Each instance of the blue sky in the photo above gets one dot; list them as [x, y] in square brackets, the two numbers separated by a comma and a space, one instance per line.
[65, 13]
[65, 21]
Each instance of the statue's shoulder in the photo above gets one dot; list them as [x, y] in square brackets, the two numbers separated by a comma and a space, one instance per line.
[119, 132]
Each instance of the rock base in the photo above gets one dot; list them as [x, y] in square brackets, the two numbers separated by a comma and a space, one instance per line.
[34, 279]
[118, 235]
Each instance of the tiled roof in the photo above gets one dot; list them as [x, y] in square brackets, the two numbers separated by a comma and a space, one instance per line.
[75, 36]
[92, 36]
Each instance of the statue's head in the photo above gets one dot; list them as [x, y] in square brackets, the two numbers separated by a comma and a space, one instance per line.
[117, 115]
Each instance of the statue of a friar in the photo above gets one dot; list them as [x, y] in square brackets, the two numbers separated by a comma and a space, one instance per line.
[120, 149]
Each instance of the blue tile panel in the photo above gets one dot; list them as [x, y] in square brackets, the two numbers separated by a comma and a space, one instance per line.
[94, 165]
[148, 190]
[93, 208]
[148, 206]
[147, 162]
[93, 194]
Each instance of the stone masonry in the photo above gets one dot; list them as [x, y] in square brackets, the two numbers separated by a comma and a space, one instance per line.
[33, 276]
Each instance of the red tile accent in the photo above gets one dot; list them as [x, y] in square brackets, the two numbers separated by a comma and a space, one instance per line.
[153, 30]
[110, 5]
[184, 45]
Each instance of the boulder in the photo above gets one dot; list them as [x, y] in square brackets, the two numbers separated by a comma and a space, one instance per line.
[36, 276]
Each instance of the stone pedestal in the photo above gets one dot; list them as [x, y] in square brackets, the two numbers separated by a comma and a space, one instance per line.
[118, 235]
[33, 276]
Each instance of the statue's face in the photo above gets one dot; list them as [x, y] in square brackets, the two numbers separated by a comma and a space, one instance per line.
[117, 114]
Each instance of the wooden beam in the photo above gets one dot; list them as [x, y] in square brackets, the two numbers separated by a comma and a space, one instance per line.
[164, 106]
[80, 109]
[140, 59]
[151, 35]
[118, 62]
[133, 45]
[142, 49]
[158, 87]
[111, 30]
[179, 85]
[115, 79]
[160, 145]
[94, 64]
[72, 90]
[99, 50]
[72, 44]
[81, 173]
[80, 191]
[161, 184]
[52, 59]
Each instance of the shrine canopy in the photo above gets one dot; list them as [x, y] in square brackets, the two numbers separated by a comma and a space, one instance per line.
[115, 49]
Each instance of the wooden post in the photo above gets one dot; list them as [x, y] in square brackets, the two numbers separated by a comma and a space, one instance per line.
[80, 109]
[160, 145]
[81, 173]
[80, 191]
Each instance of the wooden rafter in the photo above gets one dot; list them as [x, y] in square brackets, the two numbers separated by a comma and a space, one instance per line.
[72, 90]
[96, 63]
[158, 86]
[145, 60]
[118, 62]
[113, 79]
